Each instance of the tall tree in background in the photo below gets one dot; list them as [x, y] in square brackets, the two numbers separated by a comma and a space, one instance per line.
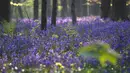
[73, 12]
[69, 7]
[95, 9]
[78, 7]
[19, 8]
[36, 9]
[5, 10]
[105, 8]
[120, 10]
[84, 6]
[54, 13]
[64, 11]
[44, 17]
[49, 7]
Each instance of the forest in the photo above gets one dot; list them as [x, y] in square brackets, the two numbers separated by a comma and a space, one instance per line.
[64, 36]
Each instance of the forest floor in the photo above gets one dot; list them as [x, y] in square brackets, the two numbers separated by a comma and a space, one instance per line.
[24, 48]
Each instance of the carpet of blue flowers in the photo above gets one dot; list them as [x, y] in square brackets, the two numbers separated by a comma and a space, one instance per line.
[26, 49]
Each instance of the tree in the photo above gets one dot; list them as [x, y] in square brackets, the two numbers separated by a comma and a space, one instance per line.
[84, 6]
[36, 9]
[49, 7]
[64, 11]
[95, 9]
[73, 12]
[54, 13]
[119, 10]
[78, 7]
[43, 13]
[105, 8]
[19, 8]
[5, 10]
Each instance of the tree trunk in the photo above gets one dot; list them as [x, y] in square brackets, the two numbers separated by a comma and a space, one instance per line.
[73, 12]
[54, 13]
[20, 9]
[49, 7]
[84, 6]
[43, 13]
[119, 10]
[36, 9]
[95, 9]
[64, 8]
[5, 10]
[105, 8]
[69, 7]
[78, 7]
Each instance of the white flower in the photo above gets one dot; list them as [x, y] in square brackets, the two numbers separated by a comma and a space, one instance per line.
[15, 68]
[23, 70]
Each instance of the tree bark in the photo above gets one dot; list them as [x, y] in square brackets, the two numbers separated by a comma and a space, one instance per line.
[36, 9]
[73, 12]
[5, 10]
[44, 17]
[54, 13]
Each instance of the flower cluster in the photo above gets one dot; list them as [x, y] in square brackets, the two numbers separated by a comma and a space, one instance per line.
[32, 49]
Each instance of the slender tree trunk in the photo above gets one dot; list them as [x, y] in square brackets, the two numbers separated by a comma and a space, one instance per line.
[84, 6]
[105, 8]
[64, 9]
[95, 9]
[5, 10]
[20, 10]
[44, 17]
[78, 7]
[49, 7]
[69, 7]
[73, 12]
[36, 9]
[54, 13]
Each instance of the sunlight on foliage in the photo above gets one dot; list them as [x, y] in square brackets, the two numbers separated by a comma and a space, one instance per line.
[55, 36]
[101, 51]
[25, 3]
[59, 8]
[16, 4]
[59, 64]
[28, 3]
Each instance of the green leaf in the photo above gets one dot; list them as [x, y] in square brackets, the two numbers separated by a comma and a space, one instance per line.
[9, 28]
[107, 57]
[84, 51]
[100, 51]
[55, 36]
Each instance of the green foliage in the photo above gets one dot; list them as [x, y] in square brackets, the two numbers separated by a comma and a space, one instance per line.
[59, 8]
[8, 27]
[70, 30]
[28, 3]
[100, 51]
[55, 36]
